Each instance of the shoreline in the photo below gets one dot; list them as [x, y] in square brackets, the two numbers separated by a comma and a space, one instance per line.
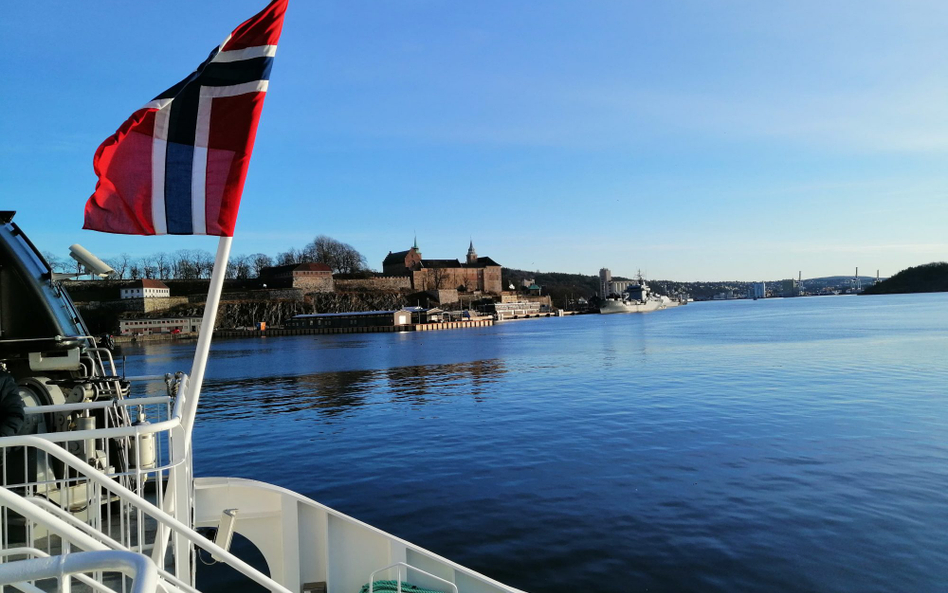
[279, 332]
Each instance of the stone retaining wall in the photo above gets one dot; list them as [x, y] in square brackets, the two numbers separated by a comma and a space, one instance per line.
[374, 284]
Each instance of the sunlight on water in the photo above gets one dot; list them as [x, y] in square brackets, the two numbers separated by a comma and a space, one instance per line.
[791, 445]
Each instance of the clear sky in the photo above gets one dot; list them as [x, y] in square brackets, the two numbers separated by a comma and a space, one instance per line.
[694, 140]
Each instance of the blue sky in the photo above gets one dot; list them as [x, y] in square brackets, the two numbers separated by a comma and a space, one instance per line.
[694, 140]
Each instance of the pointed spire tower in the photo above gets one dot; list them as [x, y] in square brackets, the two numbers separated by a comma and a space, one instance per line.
[471, 254]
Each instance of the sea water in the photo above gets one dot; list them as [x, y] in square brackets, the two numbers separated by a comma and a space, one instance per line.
[771, 445]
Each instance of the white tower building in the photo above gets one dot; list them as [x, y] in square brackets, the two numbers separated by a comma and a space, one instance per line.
[605, 277]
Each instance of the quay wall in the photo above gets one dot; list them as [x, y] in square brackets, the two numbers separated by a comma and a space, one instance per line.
[307, 331]
[276, 332]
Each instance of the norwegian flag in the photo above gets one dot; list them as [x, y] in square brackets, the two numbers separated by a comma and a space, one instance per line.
[177, 165]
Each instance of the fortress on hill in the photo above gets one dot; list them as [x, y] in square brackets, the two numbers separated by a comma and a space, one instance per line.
[475, 274]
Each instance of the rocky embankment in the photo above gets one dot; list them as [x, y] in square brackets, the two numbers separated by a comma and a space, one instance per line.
[232, 315]
[236, 314]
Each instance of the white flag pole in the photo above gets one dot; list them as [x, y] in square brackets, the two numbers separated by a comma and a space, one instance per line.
[205, 335]
[178, 494]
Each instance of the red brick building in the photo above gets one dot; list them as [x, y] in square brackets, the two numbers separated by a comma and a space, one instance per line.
[475, 274]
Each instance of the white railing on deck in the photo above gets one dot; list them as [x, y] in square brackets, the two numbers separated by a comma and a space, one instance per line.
[51, 533]
[115, 452]
[78, 553]
[42, 567]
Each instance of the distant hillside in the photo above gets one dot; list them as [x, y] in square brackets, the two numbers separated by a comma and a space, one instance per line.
[931, 277]
[812, 284]
[560, 287]
[563, 287]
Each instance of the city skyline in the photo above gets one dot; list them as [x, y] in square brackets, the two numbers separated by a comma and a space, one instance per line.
[697, 142]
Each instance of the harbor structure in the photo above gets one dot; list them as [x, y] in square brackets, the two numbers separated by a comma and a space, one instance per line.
[513, 310]
[360, 319]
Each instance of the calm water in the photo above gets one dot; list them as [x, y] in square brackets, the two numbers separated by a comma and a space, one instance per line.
[791, 445]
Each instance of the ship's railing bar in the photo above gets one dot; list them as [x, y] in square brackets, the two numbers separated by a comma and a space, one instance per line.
[30, 511]
[93, 475]
[27, 551]
[117, 432]
[398, 566]
[164, 432]
[99, 405]
[105, 539]
[56, 338]
[106, 433]
[139, 567]
[141, 378]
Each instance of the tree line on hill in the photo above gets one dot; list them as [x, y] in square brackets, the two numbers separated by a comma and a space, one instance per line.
[931, 277]
[197, 264]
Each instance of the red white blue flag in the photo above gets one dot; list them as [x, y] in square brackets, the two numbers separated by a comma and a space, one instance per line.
[177, 165]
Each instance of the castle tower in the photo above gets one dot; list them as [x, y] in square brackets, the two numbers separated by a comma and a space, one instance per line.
[471, 254]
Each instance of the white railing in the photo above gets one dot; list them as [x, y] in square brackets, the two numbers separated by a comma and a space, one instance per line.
[140, 523]
[78, 553]
[401, 567]
[142, 457]
[117, 434]
[42, 567]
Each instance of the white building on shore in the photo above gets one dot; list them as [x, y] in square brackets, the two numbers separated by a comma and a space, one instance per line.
[169, 325]
[757, 290]
[146, 289]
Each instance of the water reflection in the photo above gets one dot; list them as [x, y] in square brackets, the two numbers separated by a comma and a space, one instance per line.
[341, 393]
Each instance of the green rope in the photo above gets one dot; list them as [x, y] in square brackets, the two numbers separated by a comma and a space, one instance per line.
[391, 586]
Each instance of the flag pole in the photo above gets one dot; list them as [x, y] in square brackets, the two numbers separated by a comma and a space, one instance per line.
[205, 335]
[178, 495]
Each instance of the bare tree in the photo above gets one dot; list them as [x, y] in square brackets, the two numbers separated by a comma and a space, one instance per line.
[259, 261]
[204, 262]
[56, 263]
[185, 265]
[437, 277]
[290, 256]
[162, 265]
[243, 267]
[147, 266]
[341, 257]
[120, 264]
